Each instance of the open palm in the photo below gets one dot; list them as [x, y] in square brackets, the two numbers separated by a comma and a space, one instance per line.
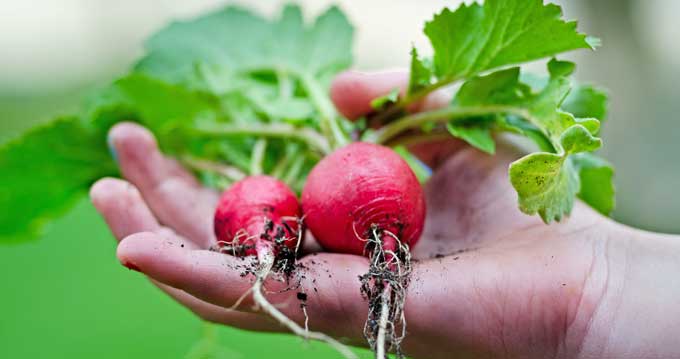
[488, 281]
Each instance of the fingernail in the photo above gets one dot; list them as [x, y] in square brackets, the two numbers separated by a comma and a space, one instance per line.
[112, 148]
[131, 266]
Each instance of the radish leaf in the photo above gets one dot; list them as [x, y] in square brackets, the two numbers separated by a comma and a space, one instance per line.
[475, 37]
[477, 135]
[46, 171]
[420, 74]
[239, 40]
[597, 187]
[586, 101]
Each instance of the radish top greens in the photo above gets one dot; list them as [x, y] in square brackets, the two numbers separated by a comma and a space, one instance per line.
[231, 93]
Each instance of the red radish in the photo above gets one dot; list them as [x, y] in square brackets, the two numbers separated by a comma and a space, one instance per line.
[257, 206]
[364, 199]
[359, 186]
[259, 216]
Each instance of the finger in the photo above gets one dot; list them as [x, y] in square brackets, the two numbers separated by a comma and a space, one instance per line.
[125, 212]
[435, 152]
[353, 91]
[220, 315]
[334, 302]
[310, 244]
[173, 194]
[122, 207]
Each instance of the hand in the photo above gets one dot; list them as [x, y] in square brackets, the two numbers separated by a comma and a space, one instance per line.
[488, 281]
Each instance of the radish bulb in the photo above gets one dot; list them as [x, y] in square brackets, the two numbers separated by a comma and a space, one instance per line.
[260, 216]
[364, 199]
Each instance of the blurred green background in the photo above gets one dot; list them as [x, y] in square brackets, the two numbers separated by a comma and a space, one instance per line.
[65, 296]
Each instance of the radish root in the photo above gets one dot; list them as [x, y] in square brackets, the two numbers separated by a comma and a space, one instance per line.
[274, 257]
[383, 323]
[266, 262]
[385, 288]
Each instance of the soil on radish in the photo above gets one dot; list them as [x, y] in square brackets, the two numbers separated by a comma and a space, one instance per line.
[384, 278]
[285, 260]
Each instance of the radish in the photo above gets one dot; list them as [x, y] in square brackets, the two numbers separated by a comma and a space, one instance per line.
[364, 199]
[259, 216]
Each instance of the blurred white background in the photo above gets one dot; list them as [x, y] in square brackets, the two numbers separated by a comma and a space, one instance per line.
[53, 51]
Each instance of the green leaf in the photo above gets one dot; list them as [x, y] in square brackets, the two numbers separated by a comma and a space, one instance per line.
[545, 107]
[297, 58]
[293, 110]
[159, 106]
[577, 139]
[546, 183]
[242, 41]
[44, 172]
[597, 185]
[382, 101]
[587, 101]
[584, 100]
[498, 88]
[420, 74]
[558, 68]
[476, 38]
[478, 136]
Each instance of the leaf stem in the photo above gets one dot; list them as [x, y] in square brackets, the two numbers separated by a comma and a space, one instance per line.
[410, 140]
[328, 121]
[280, 165]
[231, 173]
[257, 157]
[446, 114]
[403, 102]
[294, 171]
[271, 130]
[285, 84]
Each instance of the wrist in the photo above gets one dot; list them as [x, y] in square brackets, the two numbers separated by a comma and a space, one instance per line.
[637, 315]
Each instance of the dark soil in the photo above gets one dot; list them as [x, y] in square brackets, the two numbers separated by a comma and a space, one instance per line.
[380, 275]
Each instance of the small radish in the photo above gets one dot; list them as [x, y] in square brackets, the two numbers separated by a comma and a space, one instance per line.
[258, 211]
[259, 216]
[364, 199]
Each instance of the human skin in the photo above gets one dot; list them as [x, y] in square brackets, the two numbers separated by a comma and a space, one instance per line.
[488, 281]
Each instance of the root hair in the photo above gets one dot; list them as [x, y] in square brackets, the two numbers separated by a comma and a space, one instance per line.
[384, 286]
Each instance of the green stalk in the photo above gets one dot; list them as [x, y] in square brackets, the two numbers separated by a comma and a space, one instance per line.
[392, 130]
[268, 130]
[294, 171]
[257, 158]
[403, 102]
[285, 84]
[231, 173]
[328, 121]
[292, 150]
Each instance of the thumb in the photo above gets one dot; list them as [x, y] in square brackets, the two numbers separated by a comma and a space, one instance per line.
[353, 91]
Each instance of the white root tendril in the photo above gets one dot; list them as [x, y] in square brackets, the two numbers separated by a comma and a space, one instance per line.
[385, 288]
[266, 262]
[382, 324]
[240, 300]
